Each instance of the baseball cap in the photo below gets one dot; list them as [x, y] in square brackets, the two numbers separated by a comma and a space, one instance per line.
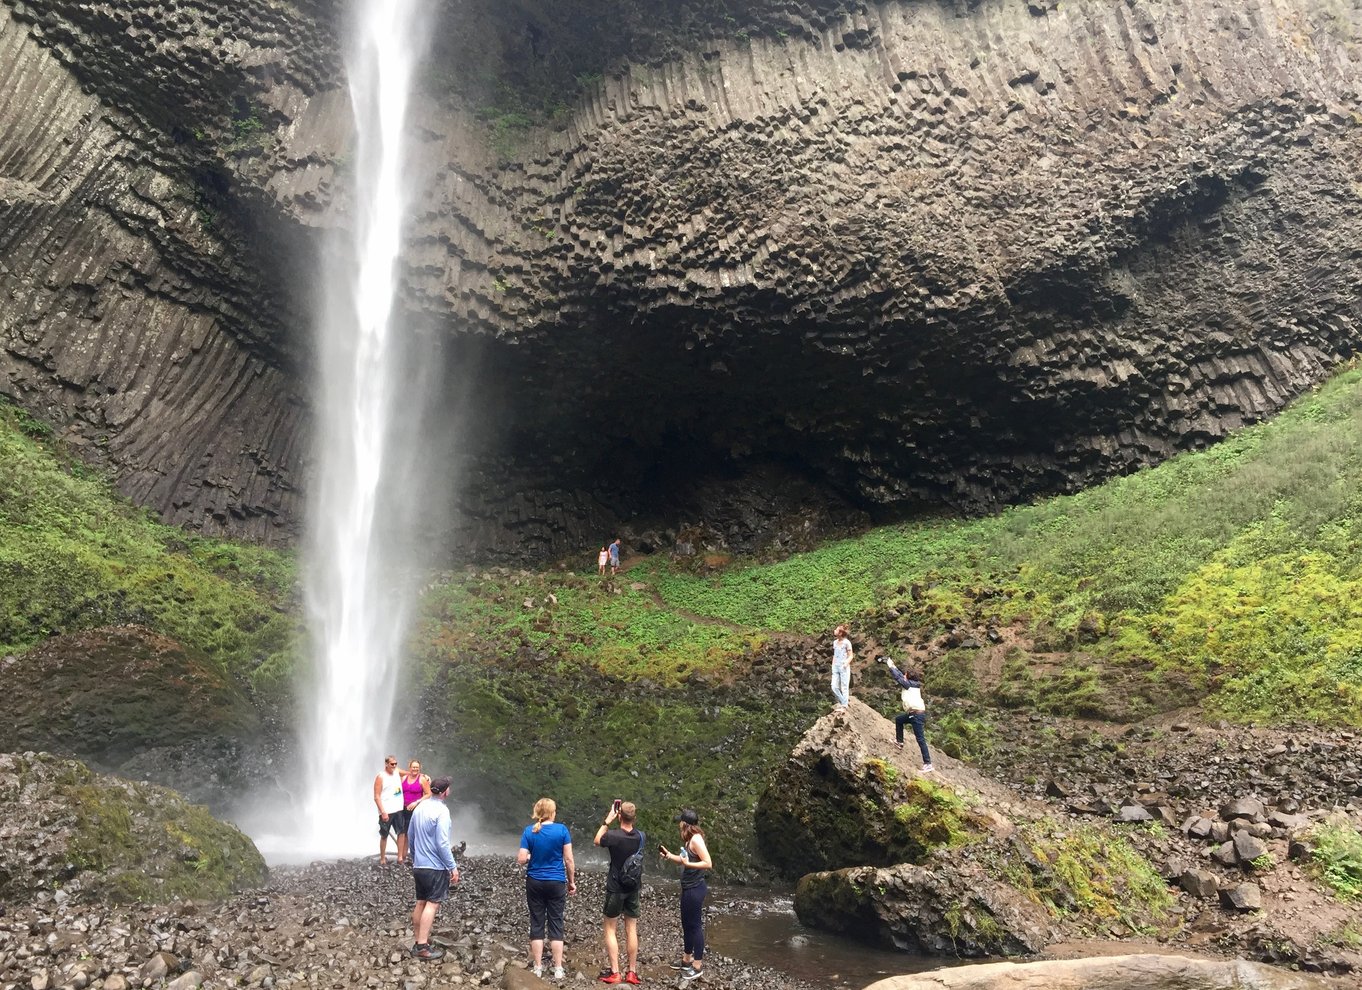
[688, 816]
[439, 785]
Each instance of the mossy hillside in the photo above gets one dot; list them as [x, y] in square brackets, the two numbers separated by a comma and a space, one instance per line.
[512, 735]
[1087, 875]
[107, 694]
[74, 556]
[1221, 578]
[104, 837]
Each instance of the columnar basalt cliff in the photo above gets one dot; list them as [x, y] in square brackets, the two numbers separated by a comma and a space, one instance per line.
[912, 253]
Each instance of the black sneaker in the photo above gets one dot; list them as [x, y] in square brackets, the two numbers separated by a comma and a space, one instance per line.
[679, 964]
[691, 973]
[429, 952]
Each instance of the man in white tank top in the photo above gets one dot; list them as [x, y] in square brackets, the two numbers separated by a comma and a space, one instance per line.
[388, 800]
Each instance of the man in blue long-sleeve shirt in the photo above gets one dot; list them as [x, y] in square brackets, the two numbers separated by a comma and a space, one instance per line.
[433, 866]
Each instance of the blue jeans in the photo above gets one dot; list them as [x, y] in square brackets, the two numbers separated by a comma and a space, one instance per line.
[918, 720]
[841, 683]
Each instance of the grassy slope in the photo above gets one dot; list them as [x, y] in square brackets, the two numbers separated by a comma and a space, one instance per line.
[74, 556]
[1226, 576]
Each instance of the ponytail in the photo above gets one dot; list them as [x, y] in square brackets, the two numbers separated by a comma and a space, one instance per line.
[544, 809]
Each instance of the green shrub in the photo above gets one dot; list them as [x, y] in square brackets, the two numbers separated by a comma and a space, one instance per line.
[1337, 857]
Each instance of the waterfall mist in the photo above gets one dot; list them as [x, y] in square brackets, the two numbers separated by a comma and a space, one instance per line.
[360, 572]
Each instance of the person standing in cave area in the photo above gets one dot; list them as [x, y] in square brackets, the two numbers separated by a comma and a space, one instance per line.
[602, 559]
[615, 556]
[388, 800]
[842, 655]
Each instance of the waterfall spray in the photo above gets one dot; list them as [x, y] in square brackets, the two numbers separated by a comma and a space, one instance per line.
[357, 596]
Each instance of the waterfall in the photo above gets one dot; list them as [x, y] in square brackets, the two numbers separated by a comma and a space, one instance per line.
[358, 579]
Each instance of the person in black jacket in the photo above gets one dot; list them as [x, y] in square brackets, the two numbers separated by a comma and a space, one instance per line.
[914, 710]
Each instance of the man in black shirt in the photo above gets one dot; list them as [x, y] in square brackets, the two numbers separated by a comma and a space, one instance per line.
[621, 894]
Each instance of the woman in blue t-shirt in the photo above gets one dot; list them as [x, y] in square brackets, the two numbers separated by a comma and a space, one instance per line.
[547, 847]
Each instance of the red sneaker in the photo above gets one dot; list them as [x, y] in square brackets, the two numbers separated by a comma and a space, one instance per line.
[611, 977]
[632, 977]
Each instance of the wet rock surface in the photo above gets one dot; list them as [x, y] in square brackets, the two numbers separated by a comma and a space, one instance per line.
[1136, 972]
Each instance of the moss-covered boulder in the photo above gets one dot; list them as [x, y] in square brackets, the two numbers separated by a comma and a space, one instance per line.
[847, 797]
[947, 909]
[66, 827]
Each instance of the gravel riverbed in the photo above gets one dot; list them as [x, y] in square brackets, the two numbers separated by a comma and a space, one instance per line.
[341, 924]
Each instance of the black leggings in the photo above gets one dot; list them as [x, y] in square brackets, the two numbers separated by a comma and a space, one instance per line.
[546, 898]
[692, 921]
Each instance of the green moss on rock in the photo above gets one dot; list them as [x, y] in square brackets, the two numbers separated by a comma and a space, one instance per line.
[111, 838]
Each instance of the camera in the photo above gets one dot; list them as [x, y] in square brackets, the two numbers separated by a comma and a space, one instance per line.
[884, 660]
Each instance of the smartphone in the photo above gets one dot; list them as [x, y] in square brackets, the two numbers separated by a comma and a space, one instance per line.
[618, 802]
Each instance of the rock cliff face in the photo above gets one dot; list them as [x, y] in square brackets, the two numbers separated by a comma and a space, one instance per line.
[913, 252]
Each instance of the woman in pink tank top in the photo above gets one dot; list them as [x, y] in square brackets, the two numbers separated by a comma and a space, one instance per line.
[415, 785]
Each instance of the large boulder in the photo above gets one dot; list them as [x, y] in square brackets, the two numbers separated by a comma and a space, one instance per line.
[949, 909]
[846, 797]
[1135, 972]
[88, 835]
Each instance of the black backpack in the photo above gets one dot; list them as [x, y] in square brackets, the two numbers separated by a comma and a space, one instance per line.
[630, 876]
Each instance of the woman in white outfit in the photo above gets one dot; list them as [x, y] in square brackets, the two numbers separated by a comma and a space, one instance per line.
[841, 667]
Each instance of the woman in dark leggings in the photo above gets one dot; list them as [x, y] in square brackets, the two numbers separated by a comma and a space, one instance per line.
[694, 860]
[546, 849]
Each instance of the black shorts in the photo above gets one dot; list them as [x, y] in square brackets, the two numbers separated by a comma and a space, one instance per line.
[400, 820]
[431, 885]
[619, 902]
[389, 826]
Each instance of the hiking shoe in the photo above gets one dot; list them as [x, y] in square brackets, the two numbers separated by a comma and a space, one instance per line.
[691, 973]
[558, 973]
[928, 768]
[632, 977]
[680, 964]
[610, 976]
[429, 952]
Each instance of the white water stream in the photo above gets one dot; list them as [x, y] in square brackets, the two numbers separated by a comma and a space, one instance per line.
[358, 582]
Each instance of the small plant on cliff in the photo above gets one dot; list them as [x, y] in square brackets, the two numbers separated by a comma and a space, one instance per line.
[1086, 873]
[1337, 857]
[930, 816]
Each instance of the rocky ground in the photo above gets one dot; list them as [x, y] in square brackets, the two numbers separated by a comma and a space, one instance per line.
[1224, 814]
[340, 924]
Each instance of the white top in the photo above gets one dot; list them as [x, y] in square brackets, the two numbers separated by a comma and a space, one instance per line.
[841, 652]
[390, 793]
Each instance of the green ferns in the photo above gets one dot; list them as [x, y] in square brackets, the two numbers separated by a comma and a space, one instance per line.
[1337, 857]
